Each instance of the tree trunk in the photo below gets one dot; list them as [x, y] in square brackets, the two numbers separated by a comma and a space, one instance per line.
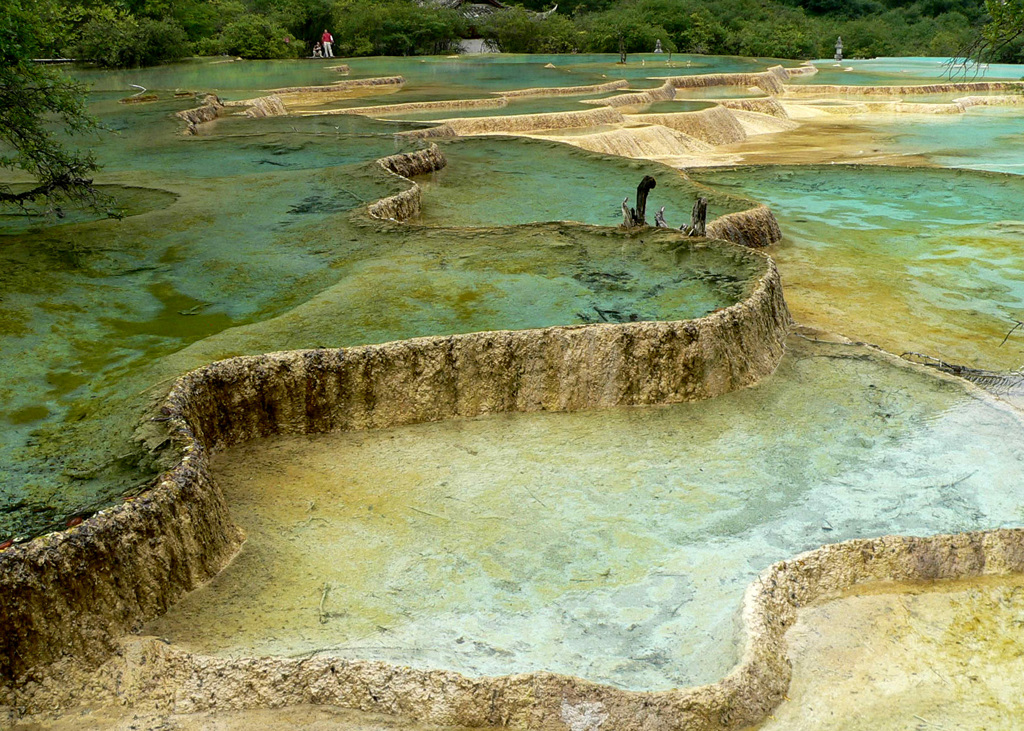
[636, 217]
[698, 219]
[646, 186]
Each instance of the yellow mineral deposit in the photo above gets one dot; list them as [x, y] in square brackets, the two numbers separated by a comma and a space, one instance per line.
[892, 656]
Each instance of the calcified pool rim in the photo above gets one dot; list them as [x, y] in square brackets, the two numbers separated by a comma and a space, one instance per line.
[73, 593]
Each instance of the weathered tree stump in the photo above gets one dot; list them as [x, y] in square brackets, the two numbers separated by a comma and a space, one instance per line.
[659, 218]
[636, 217]
[698, 219]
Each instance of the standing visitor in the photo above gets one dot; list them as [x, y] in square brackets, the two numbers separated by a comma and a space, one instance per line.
[327, 39]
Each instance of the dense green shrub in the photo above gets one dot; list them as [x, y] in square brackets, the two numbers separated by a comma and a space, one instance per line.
[394, 28]
[253, 36]
[518, 31]
[119, 32]
[120, 40]
[623, 31]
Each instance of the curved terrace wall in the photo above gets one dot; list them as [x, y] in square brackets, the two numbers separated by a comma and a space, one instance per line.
[769, 106]
[649, 141]
[754, 228]
[406, 204]
[715, 126]
[74, 592]
[835, 89]
[411, 107]
[178, 681]
[533, 122]
[771, 81]
[664, 93]
[567, 90]
[342, 85]
[206, 112]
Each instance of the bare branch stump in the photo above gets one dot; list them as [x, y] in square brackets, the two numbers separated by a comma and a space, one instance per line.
[636, 217]
[698, 219]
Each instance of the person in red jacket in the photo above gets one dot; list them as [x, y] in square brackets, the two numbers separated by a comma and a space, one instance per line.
[327, 39]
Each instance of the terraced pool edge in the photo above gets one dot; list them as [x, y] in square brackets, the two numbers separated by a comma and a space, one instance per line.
[73, 592]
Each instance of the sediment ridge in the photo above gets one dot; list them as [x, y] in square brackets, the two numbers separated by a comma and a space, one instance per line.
[518, 123]
[765, 105]
[76, 591]
[533, 122]
[412, 107]
[206, 112]
[647, 142]
[567, 90]
[266, 106]
[406, 204]
[342, 85]
[150, 672]
[771, 81]
[664, 93]
[754, 228]
[910, 90]
[715, 126]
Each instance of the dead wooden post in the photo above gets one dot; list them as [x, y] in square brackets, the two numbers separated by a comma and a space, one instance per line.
[646, 186]
[635, 217]
[698, 219]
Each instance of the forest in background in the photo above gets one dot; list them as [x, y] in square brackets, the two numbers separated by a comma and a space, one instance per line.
[124, 33]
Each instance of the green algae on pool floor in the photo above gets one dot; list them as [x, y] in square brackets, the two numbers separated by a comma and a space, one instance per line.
[262, 231]
[891, 656]
[505, 181]
[422, 281]
[613, 545]
[923, 260]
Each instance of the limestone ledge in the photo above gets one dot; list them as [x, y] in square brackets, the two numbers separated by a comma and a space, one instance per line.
[342, 85]
[405, 205]
[767, 105]
[413, 107]
[151, 673]
[664, 93]
[897, 106]
[715, 125]
[533, 122]
[898, 91]
[805, 69]
[206, 112]
[277, 102]
[771, 81]
[754, 228]
[74, 593]
[567, 90]
[519, 123]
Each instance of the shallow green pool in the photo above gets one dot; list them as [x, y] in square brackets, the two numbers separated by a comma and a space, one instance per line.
[241, 240]
[613, 545]
[912, 259]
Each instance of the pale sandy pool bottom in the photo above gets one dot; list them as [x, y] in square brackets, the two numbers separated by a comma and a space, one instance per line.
[948, 655]
[612, 545]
